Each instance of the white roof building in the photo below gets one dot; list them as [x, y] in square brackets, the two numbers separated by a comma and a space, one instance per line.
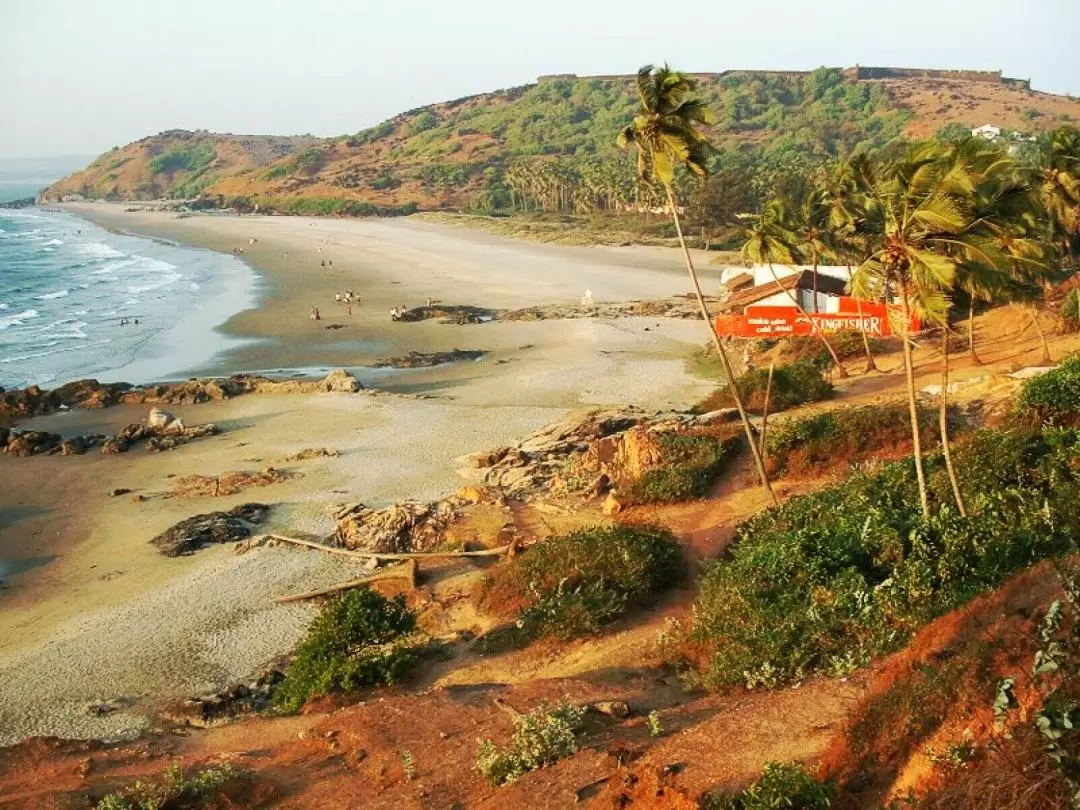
[988, 131]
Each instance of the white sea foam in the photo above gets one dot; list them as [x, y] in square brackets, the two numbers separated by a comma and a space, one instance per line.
[55, 242]
[17, 318]
[99, 250]
[52, 295]
[19, 358]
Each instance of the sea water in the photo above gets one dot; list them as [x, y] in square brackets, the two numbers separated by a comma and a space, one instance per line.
[70, 293]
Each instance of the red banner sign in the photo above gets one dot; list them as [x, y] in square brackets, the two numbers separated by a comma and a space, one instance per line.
[776, 322]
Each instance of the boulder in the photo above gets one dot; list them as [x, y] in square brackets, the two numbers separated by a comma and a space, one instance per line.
[341, 381]
[408, 526]
[32, 443]
[74, 446]
[158, 418]
[191, 534]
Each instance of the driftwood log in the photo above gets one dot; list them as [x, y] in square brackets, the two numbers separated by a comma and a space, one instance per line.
[408, 572]
[509, 550]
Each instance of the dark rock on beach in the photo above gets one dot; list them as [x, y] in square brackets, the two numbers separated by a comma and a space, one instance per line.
[191, 534]
[31, 443]
[34, 401]
[426, 359]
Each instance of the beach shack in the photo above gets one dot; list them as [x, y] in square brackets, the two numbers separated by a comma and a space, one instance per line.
[757, 305]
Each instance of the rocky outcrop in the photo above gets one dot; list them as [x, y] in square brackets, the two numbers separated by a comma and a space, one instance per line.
[157, 439]
[32, 442]
[457, 313]
[33, 401]
[191, 534]
[587, 453]
[408, 526]
[227, 704]
[426, 359]
[229, 483]
[660, 308]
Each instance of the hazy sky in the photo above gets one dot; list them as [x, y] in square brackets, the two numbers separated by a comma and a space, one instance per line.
[80, 76]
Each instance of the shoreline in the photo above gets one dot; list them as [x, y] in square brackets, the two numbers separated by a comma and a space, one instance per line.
[389, 263]
[180, 322]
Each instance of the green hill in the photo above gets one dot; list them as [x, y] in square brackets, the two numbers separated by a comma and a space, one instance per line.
[551, 145]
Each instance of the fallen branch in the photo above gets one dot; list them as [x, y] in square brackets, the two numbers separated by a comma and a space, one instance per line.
[509, 549]
[408, 572]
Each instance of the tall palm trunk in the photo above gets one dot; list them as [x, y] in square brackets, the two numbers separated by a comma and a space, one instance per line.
[943, 419]
[1034, 313]
[816, 310]
[971, 333]
[813, 324]
[725, 363]
[870, 364]
[913, 408]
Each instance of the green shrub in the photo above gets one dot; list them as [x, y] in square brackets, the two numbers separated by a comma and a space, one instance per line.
[183, 158]
[845, 436]
[690, 464]
[361, 639]
[1054, 396]
[794, 384]
[541, 737]
[827, 581]
[780, 786]
[423, 122]
[173, 790]
[276, 172]
[575, 584]
[1070, 310]
[847, 343]
[309, 160]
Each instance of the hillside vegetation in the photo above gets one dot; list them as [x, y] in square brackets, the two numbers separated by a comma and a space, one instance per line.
[550, 146]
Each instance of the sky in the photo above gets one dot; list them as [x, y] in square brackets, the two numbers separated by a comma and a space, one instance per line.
[82, 76]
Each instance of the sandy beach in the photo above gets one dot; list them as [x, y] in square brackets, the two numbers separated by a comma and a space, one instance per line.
[91, 612]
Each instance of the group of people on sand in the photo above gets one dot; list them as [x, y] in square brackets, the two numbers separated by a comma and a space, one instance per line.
[396, 313]
[348, 298]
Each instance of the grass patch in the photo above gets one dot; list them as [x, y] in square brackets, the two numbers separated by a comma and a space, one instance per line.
[779, 786]
[691, 463]
[174, 789]
[574, 585]
[847, 343]
[361, 639]
[793, 384]
[841, 437]
[1055, 396]
[183, 158]
[827, 581]
[541, 737]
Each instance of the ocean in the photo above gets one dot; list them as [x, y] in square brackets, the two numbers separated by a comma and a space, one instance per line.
[71, 293]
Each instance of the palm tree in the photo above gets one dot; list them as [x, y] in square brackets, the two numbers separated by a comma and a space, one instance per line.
[666, 135]
[921, 202]
[1059, 185]
[847, 217]
[770, 240]
[809, 217]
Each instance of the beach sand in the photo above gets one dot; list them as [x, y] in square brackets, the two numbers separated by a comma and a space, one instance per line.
[92, 612]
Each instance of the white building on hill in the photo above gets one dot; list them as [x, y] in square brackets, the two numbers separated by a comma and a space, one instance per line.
[987, 131]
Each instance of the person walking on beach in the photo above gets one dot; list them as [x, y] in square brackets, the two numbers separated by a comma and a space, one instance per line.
[313, 314]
